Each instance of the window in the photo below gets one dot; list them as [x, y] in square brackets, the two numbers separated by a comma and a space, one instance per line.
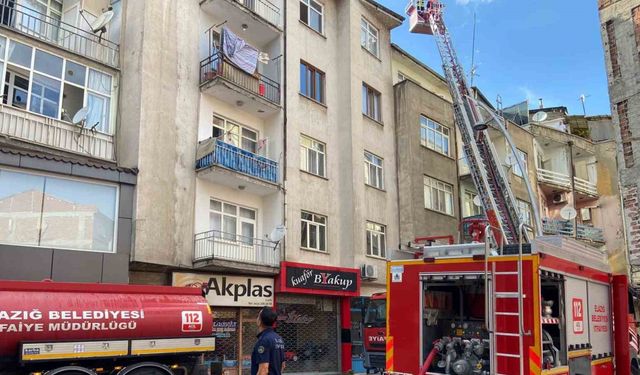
[52, 86]
[313, 233]
[373, 170]
[232, 222]
[311, 13]
[369, 37]
[41, 17]
[470, 208]
[371, 102]
[312, 156]
[401, 77]
[311, 82]
[585, 214]
[237, 135]
[46, 211]
[434, 136]
[376, 240]
[522, 156]
[524, 210]
[438, 195]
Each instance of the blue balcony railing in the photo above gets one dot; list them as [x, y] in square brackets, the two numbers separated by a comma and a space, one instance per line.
[234, 158]
[565, 227]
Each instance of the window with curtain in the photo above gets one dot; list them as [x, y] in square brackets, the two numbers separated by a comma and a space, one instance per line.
[376, 240]
[232, 222]
[371, 102]
[312, 82]
[369, 37]
[373, 170]
[434, 136]
[45, 211]
[235, 134]
[312, 156]
[313, 231]
[438, 195]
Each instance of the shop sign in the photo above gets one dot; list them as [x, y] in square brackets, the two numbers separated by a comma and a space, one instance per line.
[223, 290]
[319, 279]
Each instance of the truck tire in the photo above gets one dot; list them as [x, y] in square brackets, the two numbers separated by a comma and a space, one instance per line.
[146, 368]
[70, 370]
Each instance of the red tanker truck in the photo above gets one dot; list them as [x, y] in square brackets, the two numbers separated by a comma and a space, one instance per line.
[52, 328]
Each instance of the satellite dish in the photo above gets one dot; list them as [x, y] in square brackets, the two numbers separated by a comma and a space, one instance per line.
[100, 24]
[477, 201]
[539, 116]
[80, 116]
[511, 160]
[568, 213]
[277, 234]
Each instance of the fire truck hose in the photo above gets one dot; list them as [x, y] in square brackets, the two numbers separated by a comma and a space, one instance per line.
[430, 357]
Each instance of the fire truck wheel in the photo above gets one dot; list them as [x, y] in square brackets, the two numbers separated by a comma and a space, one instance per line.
[71, 370]
[146, 368]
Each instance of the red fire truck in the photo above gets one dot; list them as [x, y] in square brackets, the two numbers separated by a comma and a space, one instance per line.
[519, 309]
[87, 329]
[374, 333]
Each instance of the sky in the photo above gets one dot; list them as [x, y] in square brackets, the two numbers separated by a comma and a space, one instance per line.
[525, 49]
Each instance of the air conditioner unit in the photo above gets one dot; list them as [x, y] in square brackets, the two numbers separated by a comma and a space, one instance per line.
[369, 271]
[559, 198]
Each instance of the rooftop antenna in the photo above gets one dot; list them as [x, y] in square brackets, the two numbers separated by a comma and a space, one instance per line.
[473, 51]
[583, 99]
[499, 103]
[541, 103]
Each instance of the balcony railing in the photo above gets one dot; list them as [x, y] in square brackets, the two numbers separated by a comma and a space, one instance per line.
[53, 133]
[554, 178]
[218, 67]
[239, 160]
[215, 244]
[52, 30]
[264, 9]
[585, 186]
[565, 227]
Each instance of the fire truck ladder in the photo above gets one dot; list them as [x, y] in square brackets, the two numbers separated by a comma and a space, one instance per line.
[488, 175]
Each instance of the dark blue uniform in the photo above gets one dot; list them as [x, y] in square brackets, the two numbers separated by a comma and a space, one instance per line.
[268, 349]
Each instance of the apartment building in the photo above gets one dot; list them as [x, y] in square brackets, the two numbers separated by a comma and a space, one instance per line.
[426, 136]
[620, 21]
[66, 200]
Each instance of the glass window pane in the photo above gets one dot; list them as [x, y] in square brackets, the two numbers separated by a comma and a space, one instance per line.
[313, 236]
[323, 238]
[306, 216]
[319, 219]
[303, 159]
[313, 162]
[20, 206]
[99, 108]
[247, 213]
[3, 43]
[46, 92]
[303, 78]
[368, 241]
[319, 96]
[321, 164]
[215, 221]
[20, 54]
[78, 215]
[248, 231]
[99, 82]
[230, 209]
[315, 21]
[229, 226]
[75, 73]
[303, 234]
[304, 13]
[215, 205]
[316, 6]
[48, 64]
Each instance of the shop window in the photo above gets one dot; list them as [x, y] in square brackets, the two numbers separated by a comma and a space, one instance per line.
[235, 331]
[45, 211]
[309, 328]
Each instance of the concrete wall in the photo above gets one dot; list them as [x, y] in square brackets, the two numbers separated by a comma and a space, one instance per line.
[619, 41]
[429, 80]
[340, 124]
[159, 124]
[415, 161]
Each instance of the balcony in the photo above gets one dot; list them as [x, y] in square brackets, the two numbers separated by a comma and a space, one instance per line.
[226, 164]
[61, 135]
[565, 227]
[55, 32]
[556, 179]
[258, 94]
[585, 187]
[215, 246]
[262, 17]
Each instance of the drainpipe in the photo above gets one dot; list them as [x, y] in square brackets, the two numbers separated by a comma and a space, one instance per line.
[284, 131]
[572, 174]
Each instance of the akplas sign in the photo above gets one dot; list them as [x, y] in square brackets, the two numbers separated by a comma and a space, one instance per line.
[230, 290]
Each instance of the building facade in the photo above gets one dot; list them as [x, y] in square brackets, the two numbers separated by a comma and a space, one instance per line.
[66, 199]
[620, 30]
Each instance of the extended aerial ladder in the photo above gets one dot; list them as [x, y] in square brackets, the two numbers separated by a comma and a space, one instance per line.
[472, 119]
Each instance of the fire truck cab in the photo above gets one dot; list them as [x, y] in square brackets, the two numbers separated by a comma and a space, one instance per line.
[519, 309]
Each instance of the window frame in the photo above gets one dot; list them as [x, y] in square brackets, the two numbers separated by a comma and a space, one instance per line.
[238, 218]
[436, 184]
[313, 83]
[525, 206]
[307, 150]
[227, 132]
[467, 199]
[369, 97]
[312, 221]
[116, 212]
[366, 32]
[524, 159]
[310, 9]
[63, 82]
[380, 230]
[428, 127]
[368, 164]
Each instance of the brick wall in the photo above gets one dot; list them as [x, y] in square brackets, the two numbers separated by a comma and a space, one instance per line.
[632, 210]
[625, 133]
[613, 49]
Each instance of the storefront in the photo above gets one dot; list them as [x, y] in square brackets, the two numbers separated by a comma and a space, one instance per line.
[235, 302]
[314, 316]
